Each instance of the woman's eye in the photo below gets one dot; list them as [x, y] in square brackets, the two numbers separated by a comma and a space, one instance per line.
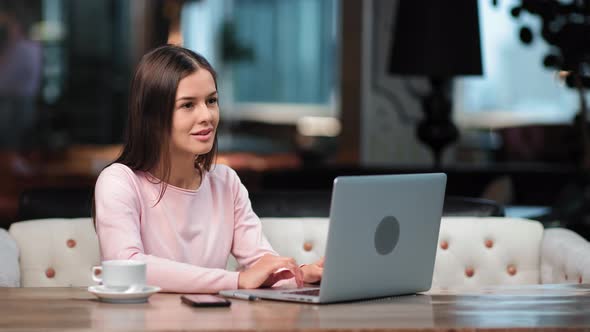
[212, 101]
[187, 106]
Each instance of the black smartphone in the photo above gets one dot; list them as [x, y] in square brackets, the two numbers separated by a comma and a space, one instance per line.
[205, 300]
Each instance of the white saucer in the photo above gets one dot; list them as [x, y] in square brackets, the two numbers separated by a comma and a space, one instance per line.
[110, 296]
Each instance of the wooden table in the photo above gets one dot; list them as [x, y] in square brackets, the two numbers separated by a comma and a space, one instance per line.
[58, 309]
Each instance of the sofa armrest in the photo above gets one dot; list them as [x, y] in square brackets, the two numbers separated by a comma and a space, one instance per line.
[9, 255]
[565, 257]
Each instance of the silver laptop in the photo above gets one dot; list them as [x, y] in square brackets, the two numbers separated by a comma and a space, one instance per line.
[382, 240]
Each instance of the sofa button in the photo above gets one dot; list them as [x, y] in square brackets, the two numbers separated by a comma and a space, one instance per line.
[489, 243]
[307, 246]
[444, 245]
[50, 273]
[71, 243]
[511, 269]
[469, 272]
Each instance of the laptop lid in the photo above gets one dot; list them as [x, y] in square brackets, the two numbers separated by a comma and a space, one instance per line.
[382, 235]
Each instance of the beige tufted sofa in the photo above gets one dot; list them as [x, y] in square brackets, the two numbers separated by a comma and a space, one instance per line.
[472, 251]
[56, 252]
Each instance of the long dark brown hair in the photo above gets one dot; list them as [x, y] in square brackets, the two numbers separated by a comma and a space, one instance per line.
[151, 106]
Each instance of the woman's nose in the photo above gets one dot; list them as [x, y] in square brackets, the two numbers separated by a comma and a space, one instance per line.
[204, 114]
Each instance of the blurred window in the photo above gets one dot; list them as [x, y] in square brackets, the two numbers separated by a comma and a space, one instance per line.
[516, 88]
[277, 59]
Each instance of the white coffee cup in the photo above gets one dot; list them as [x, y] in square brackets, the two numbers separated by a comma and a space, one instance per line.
[120, 275]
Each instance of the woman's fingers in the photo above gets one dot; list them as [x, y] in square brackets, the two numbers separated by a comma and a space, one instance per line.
[269, 270]
[278, 276]
[321, 261]
[289, 264]
[313, 273]
[298, 275]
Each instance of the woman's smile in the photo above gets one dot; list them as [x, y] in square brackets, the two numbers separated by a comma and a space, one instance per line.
[203, 135]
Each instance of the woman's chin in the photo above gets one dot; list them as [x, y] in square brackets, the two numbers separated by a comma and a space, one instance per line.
[202, 150]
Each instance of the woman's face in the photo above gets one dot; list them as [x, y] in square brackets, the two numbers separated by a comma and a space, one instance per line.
[196, 115]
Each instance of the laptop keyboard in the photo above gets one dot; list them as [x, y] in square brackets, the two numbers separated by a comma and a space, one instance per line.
[309, 292]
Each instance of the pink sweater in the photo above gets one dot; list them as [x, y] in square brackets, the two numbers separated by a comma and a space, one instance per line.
[187, 237]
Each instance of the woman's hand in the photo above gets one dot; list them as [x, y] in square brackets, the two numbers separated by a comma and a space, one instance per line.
[312, 273]
[268, 270]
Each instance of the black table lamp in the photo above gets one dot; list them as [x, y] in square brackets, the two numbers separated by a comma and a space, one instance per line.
[440, 40]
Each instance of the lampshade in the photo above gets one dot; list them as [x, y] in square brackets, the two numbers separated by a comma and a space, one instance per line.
[436, 38]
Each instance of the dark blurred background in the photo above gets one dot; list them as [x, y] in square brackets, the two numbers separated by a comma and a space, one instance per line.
[487, 91]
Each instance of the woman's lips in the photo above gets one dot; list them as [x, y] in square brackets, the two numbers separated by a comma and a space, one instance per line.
[204, 131]
[203, 135]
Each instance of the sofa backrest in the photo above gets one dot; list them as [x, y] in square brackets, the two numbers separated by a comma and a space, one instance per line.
[56, 252]
[487, 251]
[471, 251]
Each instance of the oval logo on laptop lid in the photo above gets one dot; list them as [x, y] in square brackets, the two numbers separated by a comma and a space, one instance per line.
[386, 235]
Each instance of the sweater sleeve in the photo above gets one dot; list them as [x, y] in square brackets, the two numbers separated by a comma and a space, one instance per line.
[118, 225]
[249, 243]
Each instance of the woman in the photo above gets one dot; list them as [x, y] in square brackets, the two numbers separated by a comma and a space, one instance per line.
[162, 202]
